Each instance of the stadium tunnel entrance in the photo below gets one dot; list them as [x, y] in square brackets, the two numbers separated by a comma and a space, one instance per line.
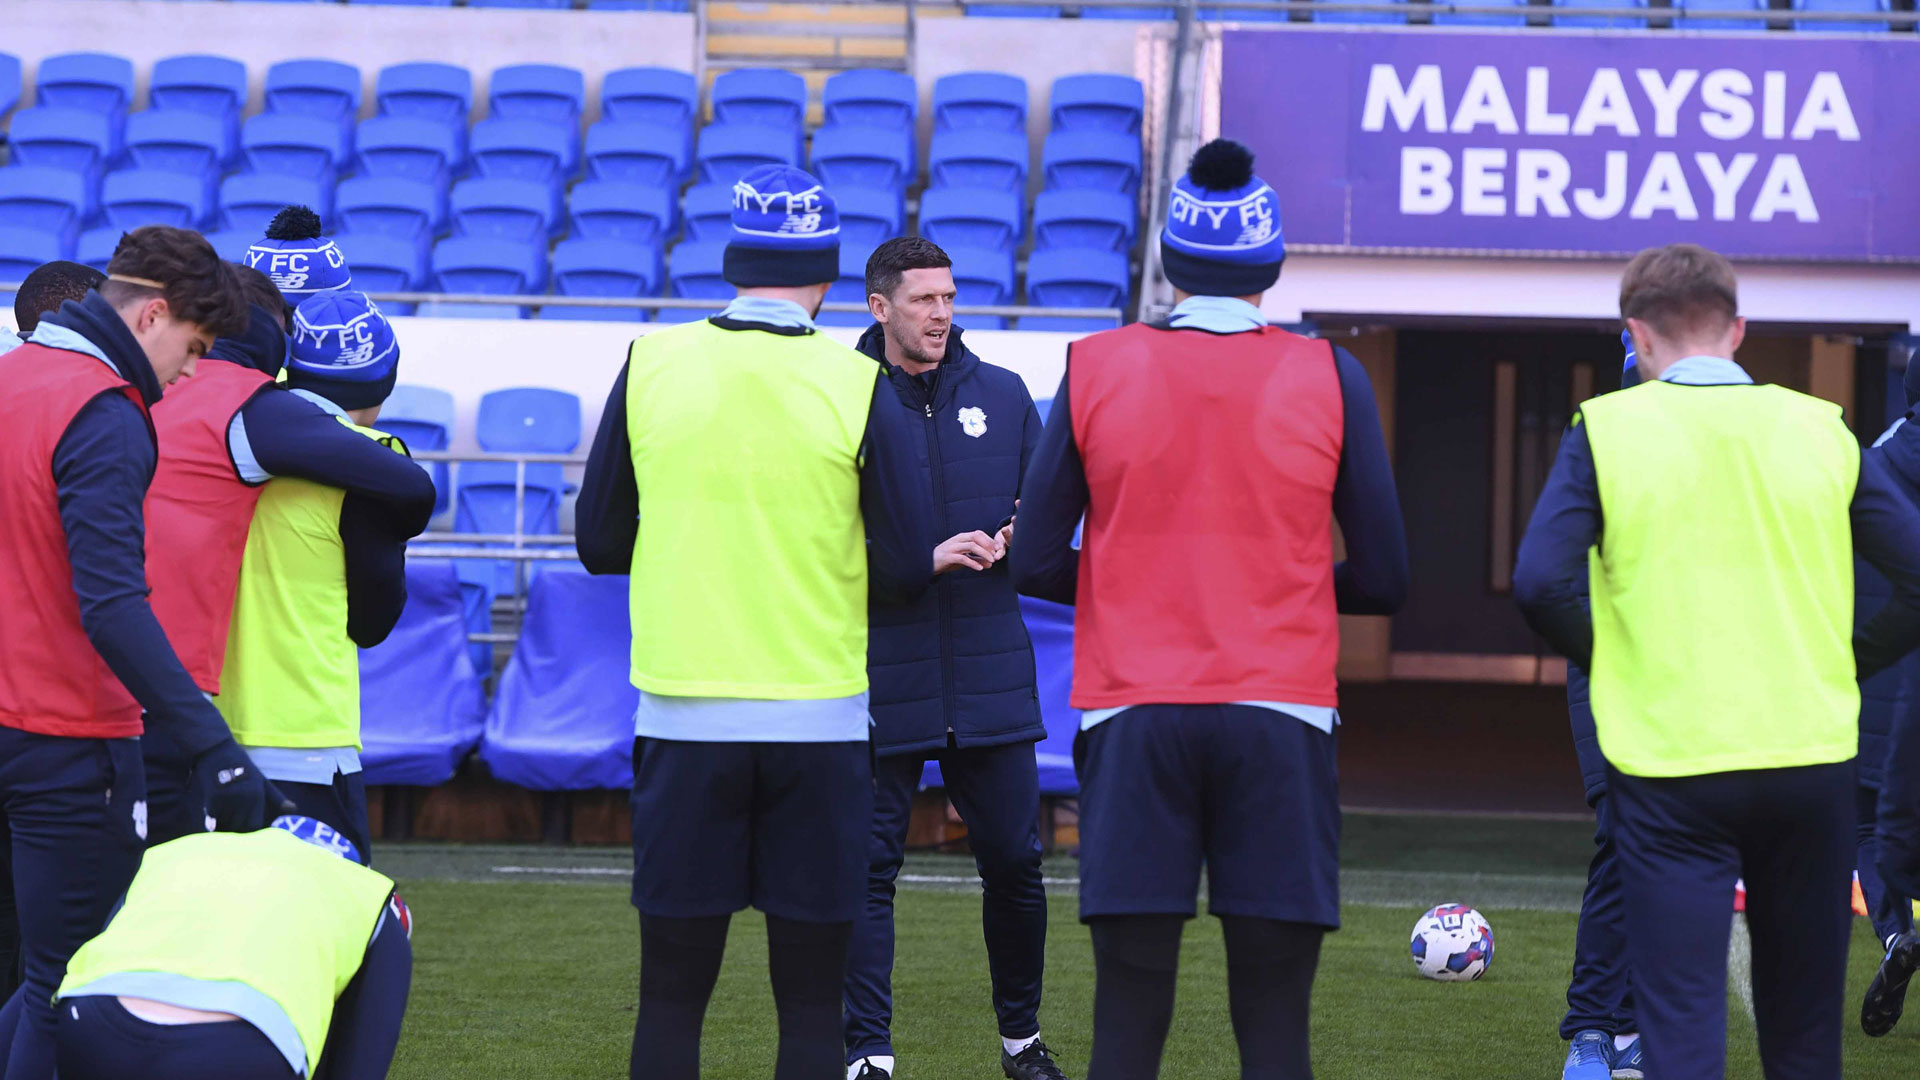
[1454, 704]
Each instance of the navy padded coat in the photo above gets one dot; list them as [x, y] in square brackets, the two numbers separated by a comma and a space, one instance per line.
[957, 659]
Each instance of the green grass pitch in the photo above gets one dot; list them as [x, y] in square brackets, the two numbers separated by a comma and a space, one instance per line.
[531, 970]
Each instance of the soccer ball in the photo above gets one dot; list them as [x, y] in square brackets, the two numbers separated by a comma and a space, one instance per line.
[1452, 943]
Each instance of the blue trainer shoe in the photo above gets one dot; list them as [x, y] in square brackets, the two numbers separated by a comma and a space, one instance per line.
[1589, 1056]
[1628, 1062]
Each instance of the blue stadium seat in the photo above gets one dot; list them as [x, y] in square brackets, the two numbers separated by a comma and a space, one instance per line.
[694, 273]
[96, 247]
[476, 600]
[1050, 627]
[1859, 6]
[249, 201]
[62, 137]
[488, 265]
[44, 199]
[728, 152]
[528, 420]
[1099, 160]
[982, 276]
[583, 267]
[546, 92]
[177, 140]
[541, 5]
[638, 152]
[1689, 21]
[231, 245]
[24, 250]
[708, 210]
[1130, 11]
[1014, 11]
[971, 218]
[407, 146]
[9, 82]
[766, 97]
[213, 85]
[862, 156]
[980, 100]
[390, 206]
[425, 90]
[1561, 16]
[421, 705]
[517, 421]
[423, 418]
[612, 210]
[650, 95]
[851, 286]
[135, 197]
[95, 82]
[387, 264]
[294, 145]
[869, 216]
[324, 89]
[508, 149]
[1075, 277]
[563, 717]
[1106, 220]
[1347, 16]
[503, 209]
[638, 5]
[1454, 18]
[1097, 102]
[871, 98]
[986, 159]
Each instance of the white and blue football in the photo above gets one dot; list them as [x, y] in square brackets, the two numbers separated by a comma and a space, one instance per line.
[1452, 943]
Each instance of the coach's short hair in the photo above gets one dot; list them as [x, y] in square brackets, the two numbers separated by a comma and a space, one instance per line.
[257, 288]
[49, 286]
[1680, 289]
[891, 261]
[180, 266]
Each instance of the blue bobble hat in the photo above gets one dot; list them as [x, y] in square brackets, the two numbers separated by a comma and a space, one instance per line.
[300, 261]
[319, 834]
[344, 350]
[1223, 226]
[786, 231]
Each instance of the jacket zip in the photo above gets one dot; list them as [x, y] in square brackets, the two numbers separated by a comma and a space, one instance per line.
[943, 596]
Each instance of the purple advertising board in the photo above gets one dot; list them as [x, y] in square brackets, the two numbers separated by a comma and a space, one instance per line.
[1798, 146]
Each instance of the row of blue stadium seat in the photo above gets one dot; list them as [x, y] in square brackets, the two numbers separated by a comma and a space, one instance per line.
[562, 717]
[330, 90]
[1685, 18]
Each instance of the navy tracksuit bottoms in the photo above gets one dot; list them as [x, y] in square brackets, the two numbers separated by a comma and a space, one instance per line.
[73, 814]
[997, 791]
[1682, 842]
[1600, 997]
[1891, 913]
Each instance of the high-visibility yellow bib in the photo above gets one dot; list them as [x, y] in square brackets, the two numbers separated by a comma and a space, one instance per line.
[265, 909]
[1722, 585]
[750, 573]
[292, 677]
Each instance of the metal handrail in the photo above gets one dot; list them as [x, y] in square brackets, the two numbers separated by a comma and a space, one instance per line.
[690, 304]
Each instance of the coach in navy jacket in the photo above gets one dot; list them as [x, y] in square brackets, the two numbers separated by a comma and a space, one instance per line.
[951, 672]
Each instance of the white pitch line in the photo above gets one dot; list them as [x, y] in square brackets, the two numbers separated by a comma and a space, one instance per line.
[607, 871]
[960, 879]
[1740, 964]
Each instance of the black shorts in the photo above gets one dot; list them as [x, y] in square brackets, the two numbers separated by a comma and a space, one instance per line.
[722, 826]
[1250, 793]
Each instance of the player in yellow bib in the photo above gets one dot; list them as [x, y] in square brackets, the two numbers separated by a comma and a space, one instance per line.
[1714, 523]
[324, 575]
[242, 956]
